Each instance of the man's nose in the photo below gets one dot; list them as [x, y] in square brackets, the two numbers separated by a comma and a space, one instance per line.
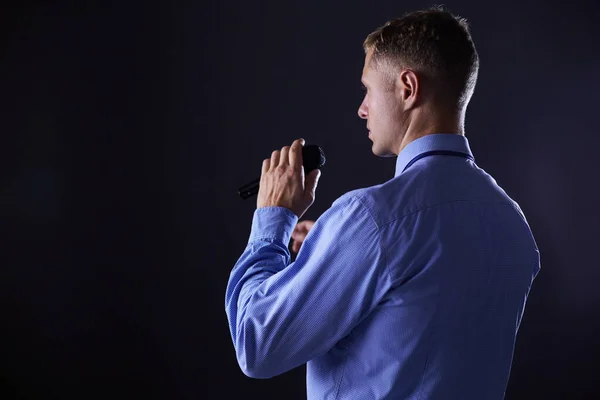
[362, 111]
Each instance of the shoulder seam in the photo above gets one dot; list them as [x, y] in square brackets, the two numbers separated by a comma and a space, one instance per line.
[386, 265]
[368, 210]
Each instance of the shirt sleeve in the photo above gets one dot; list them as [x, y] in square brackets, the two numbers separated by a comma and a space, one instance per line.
[281, 314]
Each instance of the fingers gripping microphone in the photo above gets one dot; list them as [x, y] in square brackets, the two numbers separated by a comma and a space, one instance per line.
[312, 158]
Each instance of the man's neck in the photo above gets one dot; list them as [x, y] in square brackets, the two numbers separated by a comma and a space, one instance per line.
[419, 127]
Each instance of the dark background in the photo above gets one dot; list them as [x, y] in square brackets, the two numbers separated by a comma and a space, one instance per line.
[126, 128]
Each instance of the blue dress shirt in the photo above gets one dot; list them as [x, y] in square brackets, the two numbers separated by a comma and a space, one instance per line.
[411, 289]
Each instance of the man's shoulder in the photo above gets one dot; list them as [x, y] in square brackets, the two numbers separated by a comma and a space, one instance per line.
[415, 190]
[372, 199]
[361, 194]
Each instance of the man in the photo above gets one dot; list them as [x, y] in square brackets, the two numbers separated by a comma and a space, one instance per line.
[412, 289]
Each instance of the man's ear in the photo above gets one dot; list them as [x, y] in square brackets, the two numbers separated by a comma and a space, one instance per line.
[408, 86]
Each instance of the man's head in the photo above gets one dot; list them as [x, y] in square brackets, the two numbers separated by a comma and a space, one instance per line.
[419, 74]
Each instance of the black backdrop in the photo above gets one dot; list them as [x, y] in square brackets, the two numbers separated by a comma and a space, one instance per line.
[126, 128]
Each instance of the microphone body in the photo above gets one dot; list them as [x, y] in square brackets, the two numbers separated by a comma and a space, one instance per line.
[312, 158]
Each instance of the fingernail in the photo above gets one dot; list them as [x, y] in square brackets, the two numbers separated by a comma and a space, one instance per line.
[302, 141]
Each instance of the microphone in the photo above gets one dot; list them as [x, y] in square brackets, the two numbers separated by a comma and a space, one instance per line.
[312, 158]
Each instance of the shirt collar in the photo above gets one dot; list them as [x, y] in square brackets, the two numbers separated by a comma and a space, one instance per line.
[431, 142]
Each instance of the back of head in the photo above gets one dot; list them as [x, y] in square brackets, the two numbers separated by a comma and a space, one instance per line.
[437, 45]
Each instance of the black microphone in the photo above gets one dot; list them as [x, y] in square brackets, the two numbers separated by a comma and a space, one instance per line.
[312, 158]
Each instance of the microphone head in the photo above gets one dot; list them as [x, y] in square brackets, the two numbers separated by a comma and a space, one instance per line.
[312, 157]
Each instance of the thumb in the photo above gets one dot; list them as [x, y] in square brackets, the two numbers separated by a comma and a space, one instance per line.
[311, 181]
[300, 230]
[299, 236]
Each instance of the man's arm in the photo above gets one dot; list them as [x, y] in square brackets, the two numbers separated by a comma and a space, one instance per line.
[282, 315]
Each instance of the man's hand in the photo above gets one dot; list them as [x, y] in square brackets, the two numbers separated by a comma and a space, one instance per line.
[299, 234]
[282, 182]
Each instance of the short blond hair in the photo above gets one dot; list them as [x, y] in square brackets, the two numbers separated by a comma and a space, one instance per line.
[433, 42]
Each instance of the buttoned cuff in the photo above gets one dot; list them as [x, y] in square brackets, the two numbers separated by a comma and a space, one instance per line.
[273, 223]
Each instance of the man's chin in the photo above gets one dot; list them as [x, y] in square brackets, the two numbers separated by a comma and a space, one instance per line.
[381, 152]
